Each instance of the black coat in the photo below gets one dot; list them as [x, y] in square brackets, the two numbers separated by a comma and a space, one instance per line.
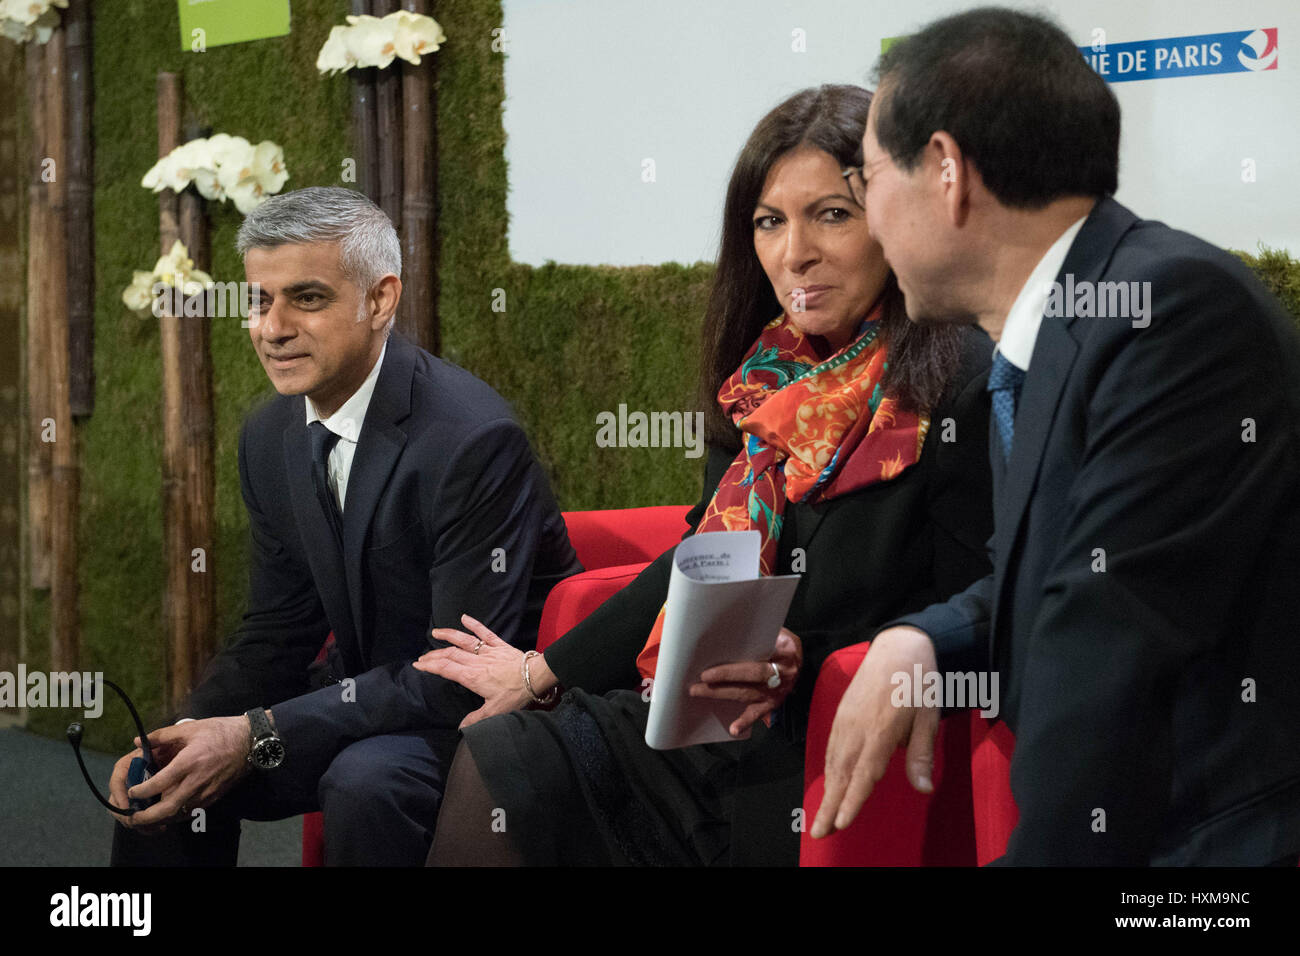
[447, 513]
[1164, 690]
[866, 556]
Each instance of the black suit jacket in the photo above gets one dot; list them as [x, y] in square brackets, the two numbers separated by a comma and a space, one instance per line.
[1159, 696]
[885, 549]
[447, 512]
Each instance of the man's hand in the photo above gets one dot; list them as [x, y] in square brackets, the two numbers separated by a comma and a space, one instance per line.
[200, 761]
[748, 681]
[868, 728]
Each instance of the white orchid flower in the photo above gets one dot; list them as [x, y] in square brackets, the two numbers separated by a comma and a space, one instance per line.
[138, 296]
[247, 195]
[28, 12]
[157, 172]
[225, 149]
[268, 166]
[416, 35]
[370, 41]
[208, 183]
[26, 20]
[222, 167]
[187, 159]
[334, 56]
[195, 281]
[175, 269]
[176, 259]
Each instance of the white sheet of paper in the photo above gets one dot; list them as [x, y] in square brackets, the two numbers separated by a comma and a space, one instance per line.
[720, 609]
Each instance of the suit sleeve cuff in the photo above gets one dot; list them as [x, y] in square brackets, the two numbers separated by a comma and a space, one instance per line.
[951, 633]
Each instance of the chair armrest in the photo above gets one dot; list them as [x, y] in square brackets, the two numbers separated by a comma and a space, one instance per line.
[897, 826]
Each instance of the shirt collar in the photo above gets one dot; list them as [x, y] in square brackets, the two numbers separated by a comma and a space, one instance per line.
[351, 415]
[1020, 331]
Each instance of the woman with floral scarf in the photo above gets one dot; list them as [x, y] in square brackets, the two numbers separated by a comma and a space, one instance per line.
[853, 441]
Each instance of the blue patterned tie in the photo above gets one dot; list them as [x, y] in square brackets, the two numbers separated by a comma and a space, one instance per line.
[1005, 380]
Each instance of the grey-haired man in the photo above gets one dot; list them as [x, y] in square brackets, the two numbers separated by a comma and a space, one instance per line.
[397, 495]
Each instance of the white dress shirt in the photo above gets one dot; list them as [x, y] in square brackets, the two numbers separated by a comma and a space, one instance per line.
[346, 423]
[1021, 328]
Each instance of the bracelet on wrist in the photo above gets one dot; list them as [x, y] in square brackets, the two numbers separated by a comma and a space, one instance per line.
[549, 697]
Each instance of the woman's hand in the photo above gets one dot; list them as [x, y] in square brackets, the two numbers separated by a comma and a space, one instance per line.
[748, 681]
[488, 666]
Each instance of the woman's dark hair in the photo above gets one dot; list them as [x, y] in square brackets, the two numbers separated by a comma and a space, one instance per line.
[1015, 93]
[922, 358]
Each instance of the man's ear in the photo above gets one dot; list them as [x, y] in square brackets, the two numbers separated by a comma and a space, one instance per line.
[955, 174]
[384, 296]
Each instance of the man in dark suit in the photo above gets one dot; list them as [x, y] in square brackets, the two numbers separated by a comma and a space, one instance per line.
[397, 495]
[1146, 462]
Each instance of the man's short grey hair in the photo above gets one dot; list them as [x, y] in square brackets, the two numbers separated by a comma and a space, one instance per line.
[368, 245]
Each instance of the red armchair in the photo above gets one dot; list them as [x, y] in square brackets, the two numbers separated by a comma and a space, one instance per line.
[897, 826]
[613, 546]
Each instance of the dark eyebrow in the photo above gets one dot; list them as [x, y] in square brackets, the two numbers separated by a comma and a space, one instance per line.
[307, 285]
[812, 205]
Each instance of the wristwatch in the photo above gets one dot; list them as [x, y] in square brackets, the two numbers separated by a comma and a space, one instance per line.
[266, 751]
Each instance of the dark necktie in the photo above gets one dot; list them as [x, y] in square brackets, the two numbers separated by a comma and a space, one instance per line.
[1005, 380]
[322, 440]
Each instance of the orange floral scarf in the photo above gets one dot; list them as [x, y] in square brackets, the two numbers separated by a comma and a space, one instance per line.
[813, 429]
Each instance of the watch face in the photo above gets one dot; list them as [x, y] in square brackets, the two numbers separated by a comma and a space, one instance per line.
[268, 753]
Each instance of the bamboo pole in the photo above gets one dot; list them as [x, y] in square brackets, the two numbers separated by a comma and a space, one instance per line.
[13, 268]
[197, 642]
[418, 316]
[80, 215]
[365, 145]
[175, 531]
[65, 474]
[40, 455]
[388, 130]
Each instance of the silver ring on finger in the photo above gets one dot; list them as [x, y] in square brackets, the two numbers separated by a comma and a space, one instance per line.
[478, 645]
[775, 680]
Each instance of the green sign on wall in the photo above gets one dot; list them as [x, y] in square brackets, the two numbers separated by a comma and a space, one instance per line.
[206, 23]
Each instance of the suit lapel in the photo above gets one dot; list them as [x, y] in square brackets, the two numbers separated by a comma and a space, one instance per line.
[377, 452]
[1054, 352]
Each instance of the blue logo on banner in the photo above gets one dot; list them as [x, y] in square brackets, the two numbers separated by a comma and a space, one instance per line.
[1244, 51]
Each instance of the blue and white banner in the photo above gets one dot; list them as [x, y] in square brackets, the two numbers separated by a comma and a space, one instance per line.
[1243, 51]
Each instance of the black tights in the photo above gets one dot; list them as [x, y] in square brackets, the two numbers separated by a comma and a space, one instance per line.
[556, 827]
[466, 835]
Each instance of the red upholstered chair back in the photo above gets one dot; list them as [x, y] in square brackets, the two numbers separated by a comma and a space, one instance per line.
[604, 539]
[614, 547]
